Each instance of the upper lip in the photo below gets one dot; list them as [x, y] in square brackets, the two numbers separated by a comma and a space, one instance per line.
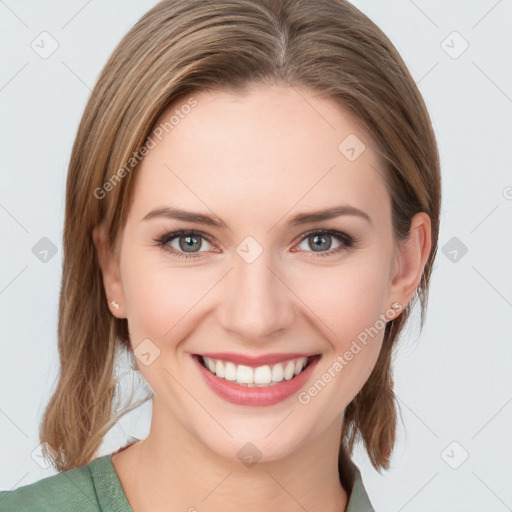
[255, 361]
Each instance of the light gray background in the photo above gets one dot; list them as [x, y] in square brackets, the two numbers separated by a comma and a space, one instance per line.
[453, 379]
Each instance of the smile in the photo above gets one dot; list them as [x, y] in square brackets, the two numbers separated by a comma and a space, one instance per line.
[251, 386]
[260, 376]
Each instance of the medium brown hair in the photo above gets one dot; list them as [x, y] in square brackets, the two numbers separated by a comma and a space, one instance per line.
[182, 46]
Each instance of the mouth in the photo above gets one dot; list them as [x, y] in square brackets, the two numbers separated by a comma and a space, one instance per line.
[267, 375]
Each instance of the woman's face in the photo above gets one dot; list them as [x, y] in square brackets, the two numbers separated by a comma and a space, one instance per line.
[255, 282]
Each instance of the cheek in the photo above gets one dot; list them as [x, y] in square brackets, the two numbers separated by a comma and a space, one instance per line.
[346, 299]
[159, 302]
[159, 296]
[347, 303]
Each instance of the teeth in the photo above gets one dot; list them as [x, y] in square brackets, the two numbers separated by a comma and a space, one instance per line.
[244, 374]
[229, 371]
[211, 365]
[261, 376]
[289, 370]
[218, 369]
[277, 373]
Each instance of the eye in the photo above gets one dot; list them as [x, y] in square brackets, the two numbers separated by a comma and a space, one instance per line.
[188, 243]
[321, 241]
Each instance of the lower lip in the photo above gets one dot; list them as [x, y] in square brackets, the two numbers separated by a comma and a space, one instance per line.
[256, 397]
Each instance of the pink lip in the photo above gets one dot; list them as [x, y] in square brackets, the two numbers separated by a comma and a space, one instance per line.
[264, 396]
[254, 361]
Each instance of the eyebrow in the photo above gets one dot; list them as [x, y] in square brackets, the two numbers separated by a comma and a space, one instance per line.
[296, 220]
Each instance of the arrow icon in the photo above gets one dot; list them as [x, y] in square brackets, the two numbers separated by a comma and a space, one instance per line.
[454, 249]
[351, 147]
[146, 352]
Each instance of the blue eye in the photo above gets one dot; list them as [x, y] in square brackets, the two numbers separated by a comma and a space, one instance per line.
[186, 240]
[321, 240]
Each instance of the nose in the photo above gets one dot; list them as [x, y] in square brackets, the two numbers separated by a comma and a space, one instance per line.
[255, 300]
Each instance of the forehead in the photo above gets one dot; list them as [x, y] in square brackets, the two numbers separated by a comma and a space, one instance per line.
[268, 149]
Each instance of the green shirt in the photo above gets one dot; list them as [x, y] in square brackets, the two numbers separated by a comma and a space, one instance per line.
[95, 487]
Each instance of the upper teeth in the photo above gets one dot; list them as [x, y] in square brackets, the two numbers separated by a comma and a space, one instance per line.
[259, 376]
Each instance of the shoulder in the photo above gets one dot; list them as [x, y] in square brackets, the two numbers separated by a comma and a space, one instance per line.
[69, 490]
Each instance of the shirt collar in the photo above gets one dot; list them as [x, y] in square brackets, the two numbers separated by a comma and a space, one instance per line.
[350, 478]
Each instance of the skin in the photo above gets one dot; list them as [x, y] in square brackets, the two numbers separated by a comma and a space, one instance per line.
[254, 159]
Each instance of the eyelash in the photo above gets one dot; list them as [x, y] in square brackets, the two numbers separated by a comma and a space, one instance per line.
[347, 242]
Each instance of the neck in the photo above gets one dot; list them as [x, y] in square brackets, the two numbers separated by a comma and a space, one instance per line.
[173, 470]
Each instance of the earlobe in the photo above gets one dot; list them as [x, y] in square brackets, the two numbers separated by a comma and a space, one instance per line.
[412, 255]
[110, 272]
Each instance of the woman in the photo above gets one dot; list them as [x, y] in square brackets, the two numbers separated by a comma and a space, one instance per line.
[252, 210]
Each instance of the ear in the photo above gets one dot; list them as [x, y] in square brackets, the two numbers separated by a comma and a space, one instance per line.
[110, 271]
[411, 257]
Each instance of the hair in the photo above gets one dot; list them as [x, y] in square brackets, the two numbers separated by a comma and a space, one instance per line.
[175, 49]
